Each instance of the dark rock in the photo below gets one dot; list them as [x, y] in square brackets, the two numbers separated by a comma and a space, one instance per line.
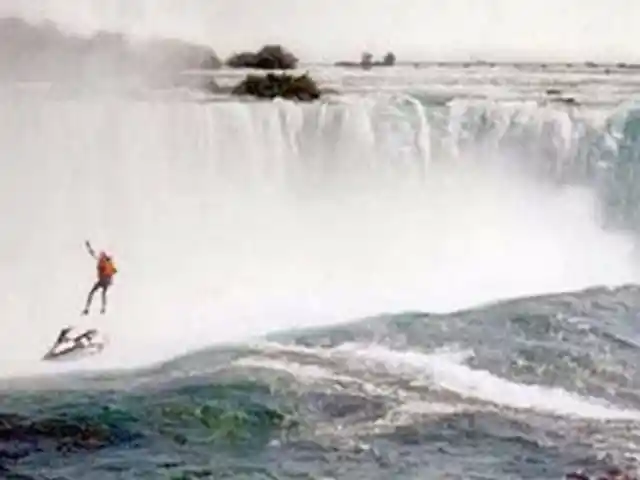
[269, 57]
[243, 60]
[66, 434]
[568, 100]
[302, 87]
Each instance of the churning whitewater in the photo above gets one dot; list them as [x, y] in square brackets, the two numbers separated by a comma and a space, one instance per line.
[430, 273]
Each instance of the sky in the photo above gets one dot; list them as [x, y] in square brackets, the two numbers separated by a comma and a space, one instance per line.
[319, 30]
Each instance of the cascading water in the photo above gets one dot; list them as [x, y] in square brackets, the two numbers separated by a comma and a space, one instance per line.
[240, 218]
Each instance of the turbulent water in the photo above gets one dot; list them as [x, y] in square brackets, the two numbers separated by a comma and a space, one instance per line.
[429, 275]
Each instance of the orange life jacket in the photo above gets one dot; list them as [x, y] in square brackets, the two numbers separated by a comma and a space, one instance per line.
[106, 268]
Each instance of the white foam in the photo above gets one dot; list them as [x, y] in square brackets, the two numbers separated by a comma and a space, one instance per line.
[445, 371]
[407, 413]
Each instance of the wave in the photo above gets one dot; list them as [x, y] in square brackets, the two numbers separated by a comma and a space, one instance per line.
[368, 390]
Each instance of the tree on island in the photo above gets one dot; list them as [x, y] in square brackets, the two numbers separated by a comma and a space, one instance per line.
[269, 57]
[292, 87]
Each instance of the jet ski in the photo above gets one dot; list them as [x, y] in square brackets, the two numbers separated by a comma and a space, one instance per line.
[73, 344]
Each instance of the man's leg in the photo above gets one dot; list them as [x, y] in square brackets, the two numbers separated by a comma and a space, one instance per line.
[90, 298]
[104, 298]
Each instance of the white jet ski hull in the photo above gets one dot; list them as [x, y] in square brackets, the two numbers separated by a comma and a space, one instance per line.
[71, 349]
